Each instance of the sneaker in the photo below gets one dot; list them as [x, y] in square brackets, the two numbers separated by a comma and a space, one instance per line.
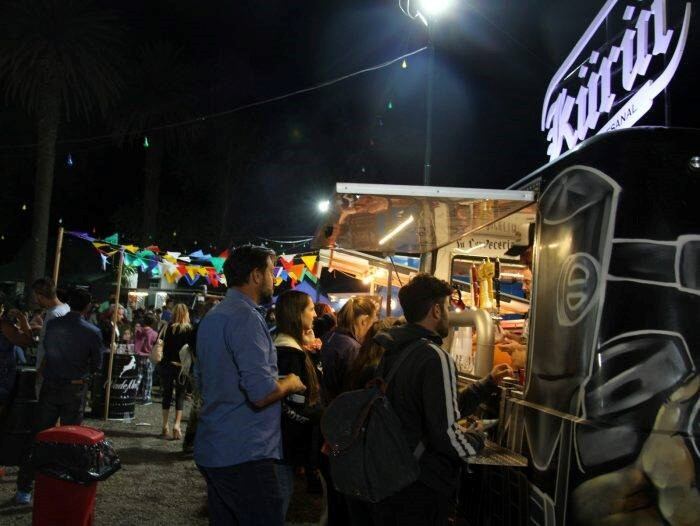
[23, 498]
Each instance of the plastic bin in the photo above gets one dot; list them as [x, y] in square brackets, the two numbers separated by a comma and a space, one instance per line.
[69, 461]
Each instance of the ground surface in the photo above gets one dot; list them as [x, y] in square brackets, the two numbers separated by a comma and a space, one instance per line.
[157, 484]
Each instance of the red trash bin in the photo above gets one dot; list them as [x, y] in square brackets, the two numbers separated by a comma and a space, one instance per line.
[61, 502]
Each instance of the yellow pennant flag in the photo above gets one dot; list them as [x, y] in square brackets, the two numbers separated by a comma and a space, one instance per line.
[192, 271]
[132, 248]
[309, 261]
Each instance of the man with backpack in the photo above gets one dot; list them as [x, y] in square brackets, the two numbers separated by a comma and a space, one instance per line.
[423, 394]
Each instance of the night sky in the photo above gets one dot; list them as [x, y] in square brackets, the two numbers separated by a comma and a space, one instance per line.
[260, 172]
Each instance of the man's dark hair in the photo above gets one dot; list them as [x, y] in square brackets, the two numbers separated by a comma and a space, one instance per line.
[79, 299]
[45, 287]
[419, 295]
[244, 260]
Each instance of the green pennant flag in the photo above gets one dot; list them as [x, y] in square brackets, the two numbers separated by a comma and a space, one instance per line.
[218, 264]
[309, 275]
[113, 239]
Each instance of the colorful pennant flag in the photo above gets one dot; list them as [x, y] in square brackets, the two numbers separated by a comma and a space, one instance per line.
[309, 261]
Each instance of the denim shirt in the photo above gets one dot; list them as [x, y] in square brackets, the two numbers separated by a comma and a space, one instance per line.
[237, 365]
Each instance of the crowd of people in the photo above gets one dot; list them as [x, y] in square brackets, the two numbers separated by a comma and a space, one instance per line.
[67, 342]
[263, 377]
[263, 394]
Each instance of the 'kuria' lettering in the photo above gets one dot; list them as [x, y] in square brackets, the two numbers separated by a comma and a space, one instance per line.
[569, 117]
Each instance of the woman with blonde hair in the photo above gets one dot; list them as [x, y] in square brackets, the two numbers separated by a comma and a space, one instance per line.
[341, 346]
[179, 333]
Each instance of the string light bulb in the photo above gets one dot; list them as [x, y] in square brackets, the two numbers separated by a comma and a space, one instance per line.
[69, 160]
[24, 206]
[390, 106]
[404, 64]
[145, 142]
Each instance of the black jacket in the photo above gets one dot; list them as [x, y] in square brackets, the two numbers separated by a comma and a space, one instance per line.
[338, 351]
[298, 417]
[424, 396]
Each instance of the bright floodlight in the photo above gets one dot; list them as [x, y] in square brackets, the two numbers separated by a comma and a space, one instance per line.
[434, 7]
[324, 206]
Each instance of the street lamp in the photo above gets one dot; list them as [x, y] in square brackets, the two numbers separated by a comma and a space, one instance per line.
[427, 12]
[434, 8]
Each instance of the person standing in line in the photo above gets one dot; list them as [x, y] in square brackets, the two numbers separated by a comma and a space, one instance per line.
[73, 352]
[300, 412]
[45, 294]
[145, 337]
[424, 396]
[238, 439]
[178, 334]
[340, 347]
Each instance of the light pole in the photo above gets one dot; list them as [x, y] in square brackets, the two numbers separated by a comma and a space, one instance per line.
[427, 12]
[429, 112]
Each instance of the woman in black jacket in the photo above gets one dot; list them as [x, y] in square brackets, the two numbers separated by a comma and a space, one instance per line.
[179, 333]
[295, 315]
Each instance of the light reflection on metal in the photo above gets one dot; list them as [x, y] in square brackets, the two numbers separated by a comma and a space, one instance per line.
[396, 230]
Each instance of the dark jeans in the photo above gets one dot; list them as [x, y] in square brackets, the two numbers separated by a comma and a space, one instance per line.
[337, 506]
[56, 400]
[415, 505]
[244, 495]
[169, 380]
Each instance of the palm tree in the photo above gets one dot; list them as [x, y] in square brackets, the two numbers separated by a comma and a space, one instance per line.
[58, 60]
[161, 94]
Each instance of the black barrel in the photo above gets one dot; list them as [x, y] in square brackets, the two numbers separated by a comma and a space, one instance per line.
[125, 385]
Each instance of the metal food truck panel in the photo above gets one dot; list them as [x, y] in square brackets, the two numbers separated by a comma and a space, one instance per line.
[612, 396]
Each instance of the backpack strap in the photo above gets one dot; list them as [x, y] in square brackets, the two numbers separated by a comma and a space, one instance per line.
[399, 362]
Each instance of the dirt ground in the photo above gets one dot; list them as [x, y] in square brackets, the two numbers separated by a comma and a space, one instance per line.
[157, 484]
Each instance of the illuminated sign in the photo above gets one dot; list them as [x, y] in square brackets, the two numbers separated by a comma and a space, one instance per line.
[615, 85]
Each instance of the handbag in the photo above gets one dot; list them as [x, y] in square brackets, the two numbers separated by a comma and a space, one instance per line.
[156, 354]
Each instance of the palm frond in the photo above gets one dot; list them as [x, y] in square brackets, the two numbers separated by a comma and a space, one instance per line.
[68, 47]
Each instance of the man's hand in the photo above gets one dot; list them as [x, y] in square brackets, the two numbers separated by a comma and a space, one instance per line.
[292, 384]
[499, 372]
[285, 386]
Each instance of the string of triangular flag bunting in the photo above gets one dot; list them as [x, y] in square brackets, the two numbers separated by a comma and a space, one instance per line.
[174, 266]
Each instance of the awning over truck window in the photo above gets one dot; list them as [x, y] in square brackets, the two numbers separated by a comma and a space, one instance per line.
[412, 219]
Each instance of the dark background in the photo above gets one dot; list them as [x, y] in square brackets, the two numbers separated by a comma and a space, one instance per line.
[260, 172]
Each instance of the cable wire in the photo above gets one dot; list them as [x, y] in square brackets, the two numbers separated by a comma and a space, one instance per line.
[237, 109]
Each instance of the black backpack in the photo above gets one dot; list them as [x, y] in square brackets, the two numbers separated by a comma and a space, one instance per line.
[369, 457]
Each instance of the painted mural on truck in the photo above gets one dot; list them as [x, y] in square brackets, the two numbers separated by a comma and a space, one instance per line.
[613, 429]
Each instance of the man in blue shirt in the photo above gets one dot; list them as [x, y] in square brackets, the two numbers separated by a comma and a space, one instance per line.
[238, 438]
[73, 350]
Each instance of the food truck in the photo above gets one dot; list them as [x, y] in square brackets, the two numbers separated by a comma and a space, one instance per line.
[608, 414]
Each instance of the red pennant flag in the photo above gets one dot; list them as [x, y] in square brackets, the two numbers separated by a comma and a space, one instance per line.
[286, 265]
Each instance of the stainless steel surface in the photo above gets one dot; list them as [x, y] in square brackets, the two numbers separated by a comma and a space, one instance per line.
[495, 455]
[482, 322]
[364, 215]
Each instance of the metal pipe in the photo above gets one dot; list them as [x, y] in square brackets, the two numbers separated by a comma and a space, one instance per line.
[482, 322]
